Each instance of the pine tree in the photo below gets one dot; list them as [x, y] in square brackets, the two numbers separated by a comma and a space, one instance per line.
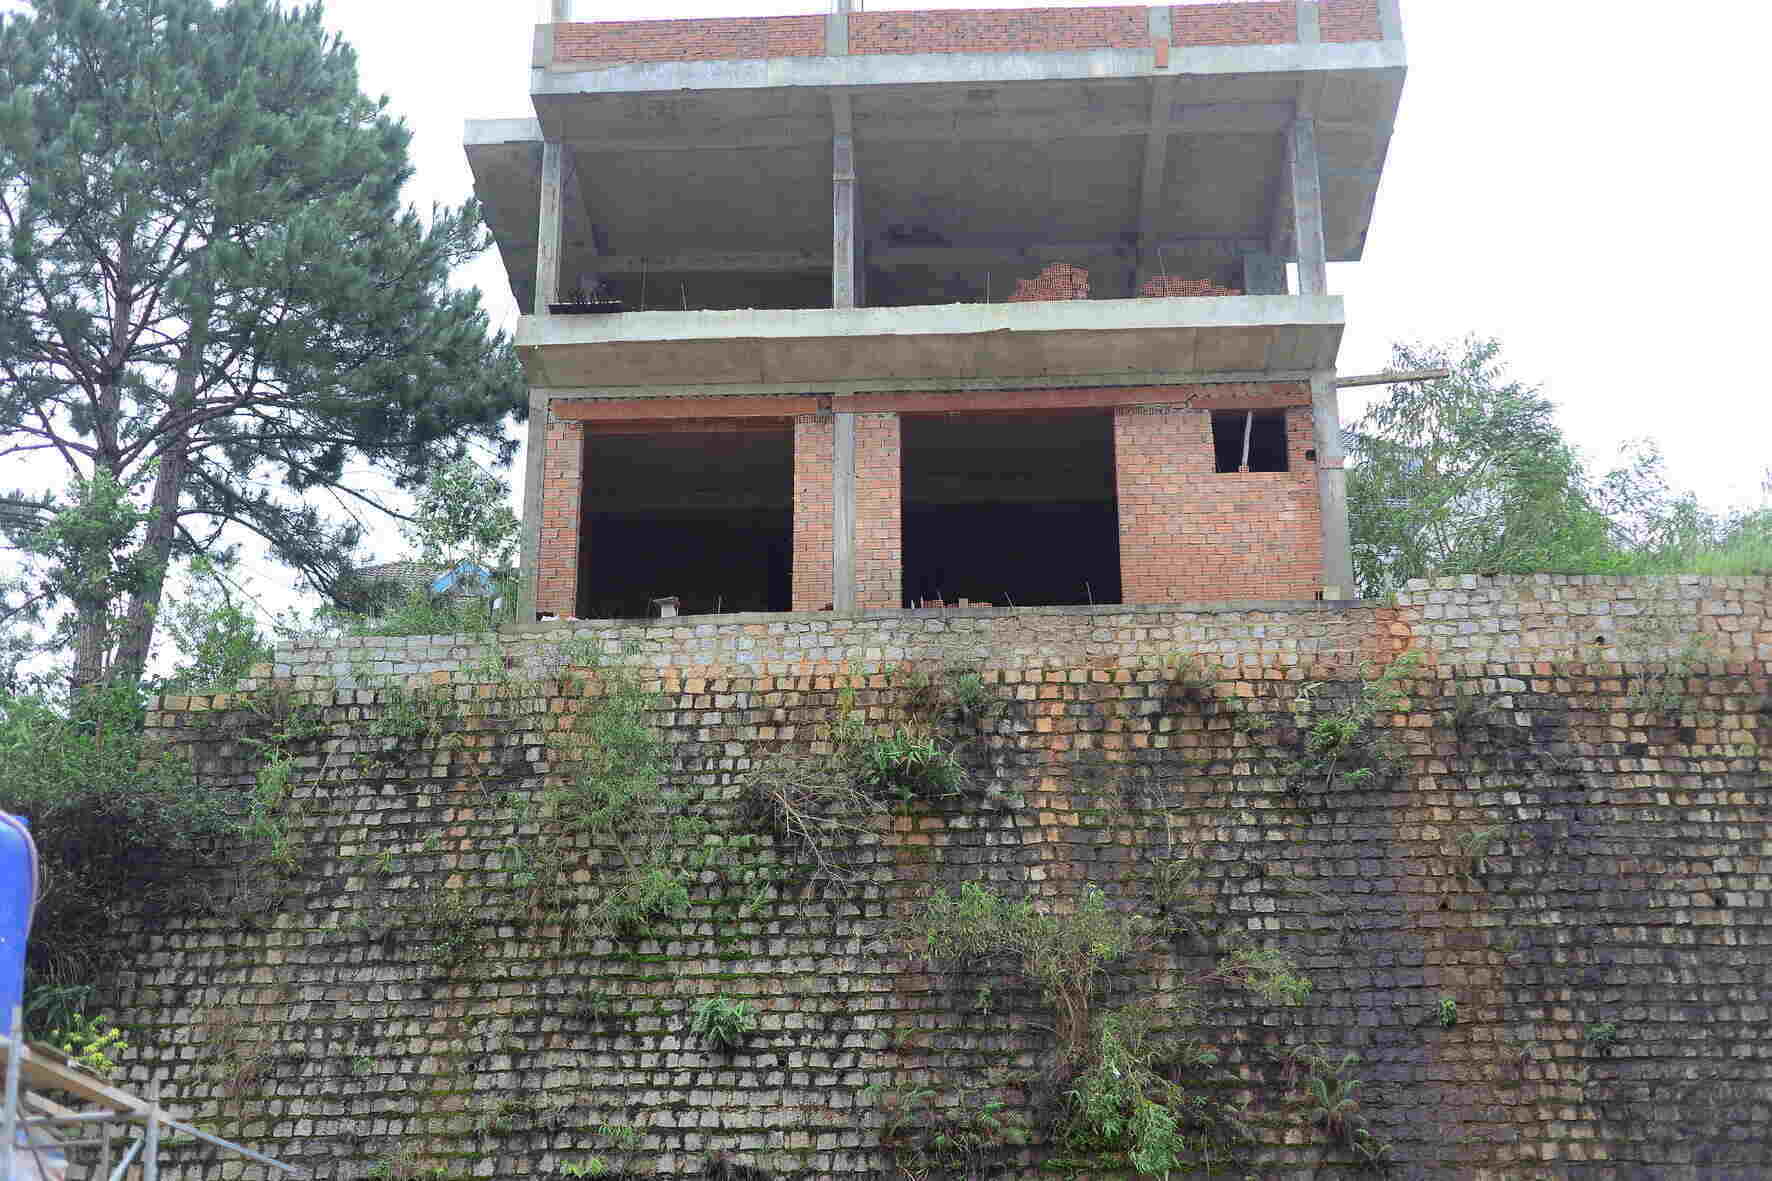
[211, 297]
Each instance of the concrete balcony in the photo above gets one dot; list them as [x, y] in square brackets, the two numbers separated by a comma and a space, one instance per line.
[1261, 337]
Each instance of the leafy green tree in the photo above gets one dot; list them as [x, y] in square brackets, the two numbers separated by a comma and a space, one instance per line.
[464, 514]
[218, 639]
[1468, 474]
[211, 296]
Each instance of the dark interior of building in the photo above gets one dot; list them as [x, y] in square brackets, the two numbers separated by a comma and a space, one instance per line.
[1010, 509]
[705, 516]
[1264, 431]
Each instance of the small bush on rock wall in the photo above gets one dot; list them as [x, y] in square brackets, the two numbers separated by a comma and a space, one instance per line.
[722, 1021]
[1065, 955]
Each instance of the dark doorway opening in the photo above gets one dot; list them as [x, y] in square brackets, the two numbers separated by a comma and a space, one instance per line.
[703, 515]
[1010, 509]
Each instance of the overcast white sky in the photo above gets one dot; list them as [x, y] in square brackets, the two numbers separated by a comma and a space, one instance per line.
[1562, 177]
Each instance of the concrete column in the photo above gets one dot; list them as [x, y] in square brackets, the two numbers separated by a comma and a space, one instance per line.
[532, 477]
[562, 11]
[836, 29]
[1307, 205]
[1390, 19]
[550, 233]
[1338, 554]
[1310, 22]
[844, 288]
[843, 513]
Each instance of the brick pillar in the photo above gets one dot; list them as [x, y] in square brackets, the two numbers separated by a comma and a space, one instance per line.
[813, 442]
[556, 578]
[1157, 449]
[879, 524]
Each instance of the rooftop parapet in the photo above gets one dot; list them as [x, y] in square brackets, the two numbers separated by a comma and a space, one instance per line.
[1030, 30]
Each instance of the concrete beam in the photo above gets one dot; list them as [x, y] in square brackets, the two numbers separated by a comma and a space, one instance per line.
[741, 262]
[1338, 554]
[762, 134]
[762, 262]
[962, 69]
[1307, 206]
[663, 409]
[947, 385]
[823, 347]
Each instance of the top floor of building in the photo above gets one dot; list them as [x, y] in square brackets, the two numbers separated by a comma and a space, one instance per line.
[700, 160]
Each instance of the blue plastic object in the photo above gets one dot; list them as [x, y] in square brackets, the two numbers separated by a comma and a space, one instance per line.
[18, 899]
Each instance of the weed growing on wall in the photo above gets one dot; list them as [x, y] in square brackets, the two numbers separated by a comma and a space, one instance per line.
[1065, 955]
[1151, 1095]
[929, 1132]
[1342, 747]
[721, 1021]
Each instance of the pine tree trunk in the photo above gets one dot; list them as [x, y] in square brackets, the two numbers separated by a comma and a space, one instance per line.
[137, 634]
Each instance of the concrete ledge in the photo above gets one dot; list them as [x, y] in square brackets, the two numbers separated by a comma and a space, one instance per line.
[1245, 334]
[1236, 607]
[957, 69]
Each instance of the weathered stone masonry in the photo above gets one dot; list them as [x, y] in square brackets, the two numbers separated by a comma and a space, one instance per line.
[1611, 730]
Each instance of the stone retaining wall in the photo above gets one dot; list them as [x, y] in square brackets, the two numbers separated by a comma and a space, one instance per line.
[1577, 835]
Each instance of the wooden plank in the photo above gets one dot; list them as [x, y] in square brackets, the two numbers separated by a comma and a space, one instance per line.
[665, 409]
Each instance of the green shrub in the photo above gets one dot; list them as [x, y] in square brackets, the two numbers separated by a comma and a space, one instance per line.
[909, 763]
[120, 828]
[1147, 1097]
[722, 1021]
[1065, 955]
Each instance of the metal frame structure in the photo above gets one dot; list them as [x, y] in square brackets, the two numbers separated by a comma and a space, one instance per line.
[36, 1069]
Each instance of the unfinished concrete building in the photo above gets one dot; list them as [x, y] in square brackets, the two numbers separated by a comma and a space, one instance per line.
[883, 309]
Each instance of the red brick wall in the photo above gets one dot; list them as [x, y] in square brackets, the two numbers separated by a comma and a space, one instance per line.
[1006, 30]
[1026, 30]
[690, 40]
[1061, 280]
[814, 441]
[562, 478]
[1188, 533]
[879, 525]
[1350, 20]
[1271, 22]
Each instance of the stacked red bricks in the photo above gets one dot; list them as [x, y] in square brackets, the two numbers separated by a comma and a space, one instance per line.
[1274, 22]
[879, 528]
[1061, 280]
[1001, 31]
[1029, 30]
[814, 440]
[1189, 533]
[562, 480]
[1350, 20]
[1174, 286]
[737, 39]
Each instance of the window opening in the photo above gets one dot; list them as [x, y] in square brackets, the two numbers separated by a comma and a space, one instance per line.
[1249, 440]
